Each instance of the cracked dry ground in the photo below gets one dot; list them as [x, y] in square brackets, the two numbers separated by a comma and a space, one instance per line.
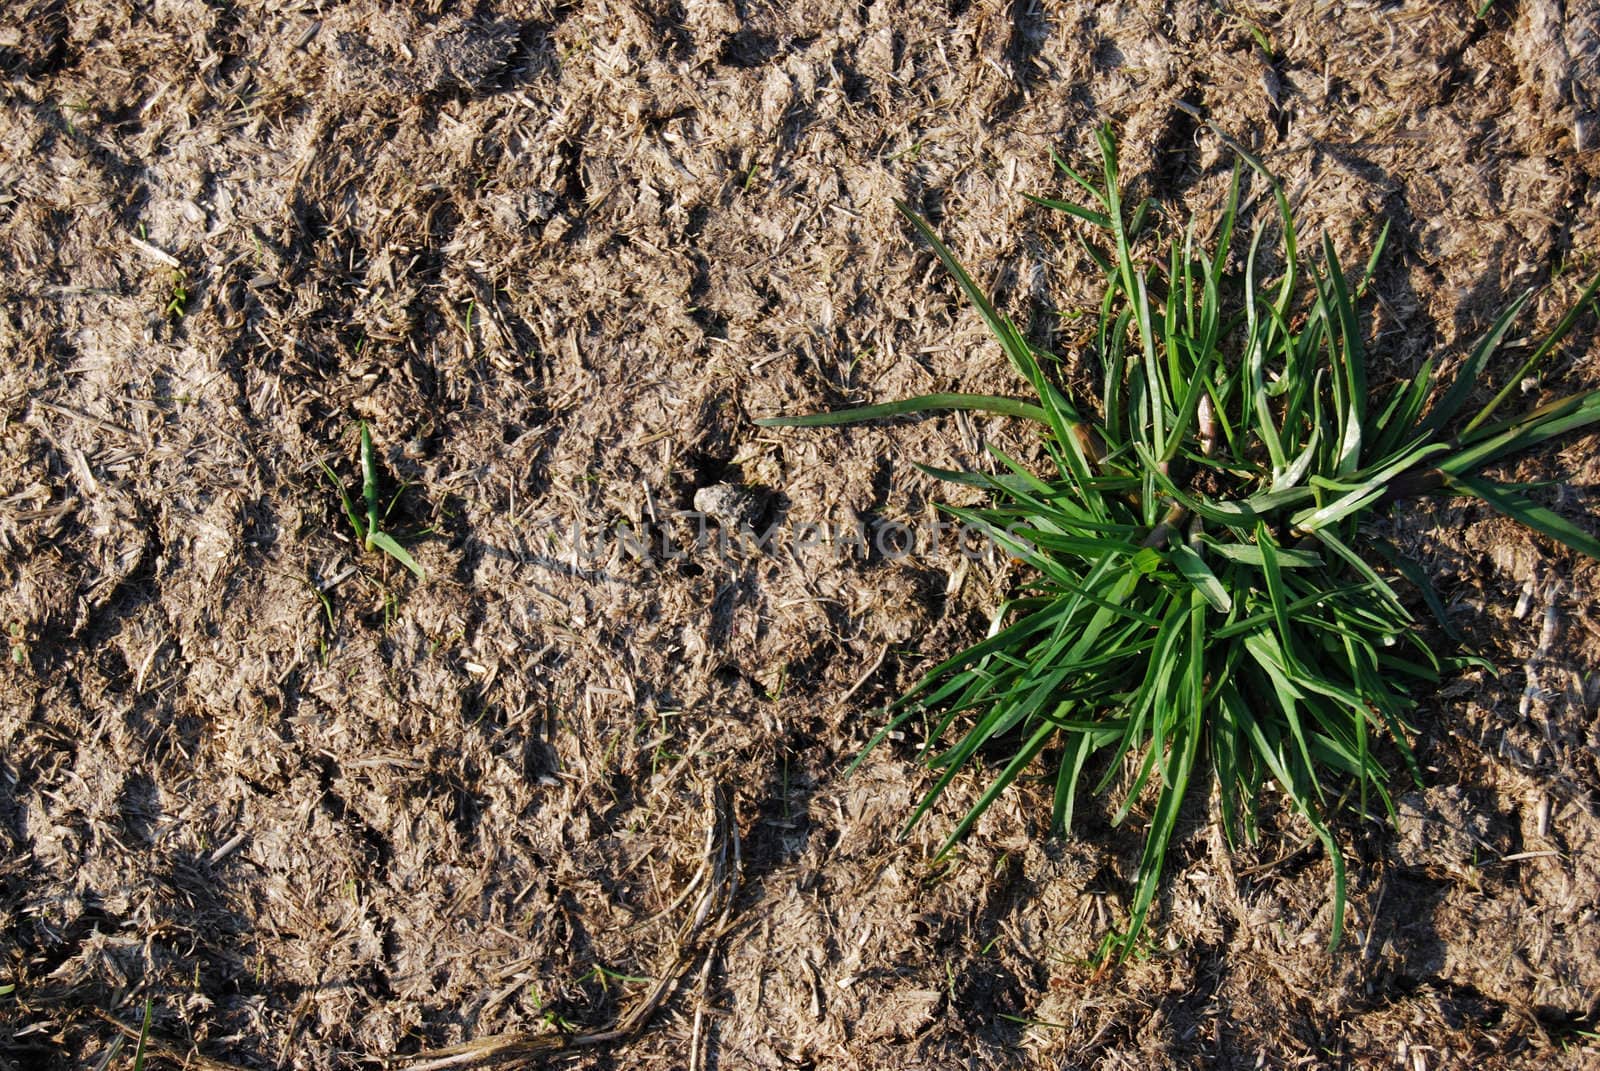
[320, 812]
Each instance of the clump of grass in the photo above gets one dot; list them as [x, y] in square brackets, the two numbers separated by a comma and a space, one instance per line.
[369, 528]
[1207, 606]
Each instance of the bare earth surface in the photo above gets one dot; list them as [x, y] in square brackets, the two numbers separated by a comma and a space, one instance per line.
[321, 813]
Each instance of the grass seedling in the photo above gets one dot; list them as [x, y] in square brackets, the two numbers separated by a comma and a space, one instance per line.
[369, 529]
[144, 1039]
[605, 976]
[178, 296]
[140, 1050]
[1205, 605]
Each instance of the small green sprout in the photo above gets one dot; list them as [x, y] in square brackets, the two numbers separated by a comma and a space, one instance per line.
[369, 530]
[605, 976]
[140, 1050]
[178, 298]
[144, 1039]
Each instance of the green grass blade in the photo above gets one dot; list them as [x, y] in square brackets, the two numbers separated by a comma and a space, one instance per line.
[1296, 793]
[1067, 783]
[1524, 510]
[1362, 569]
[924, 403]
[1277, 592]
[999, 326]
[1255, 554]
[1372, 260]
[1155, 383]
[386, 543]
[1401, 418]
[1011, 636]
[141, 1050]
[1154, 682]
[1418, 579]
[1056, 414]
[1551, 341]
[1088, 215]
[1258, 409]
[349, 506]
[1470, 374]
[1296, 470]
[1197, 572]
[1025, 754]
[1349, 362]
[1549, 421]
[1176, 772]
[1075, 177]
[369, 480]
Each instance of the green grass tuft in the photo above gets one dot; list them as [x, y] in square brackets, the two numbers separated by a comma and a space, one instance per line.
[1206, 607]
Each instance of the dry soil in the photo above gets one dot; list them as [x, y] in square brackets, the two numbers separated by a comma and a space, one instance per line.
[320, 813]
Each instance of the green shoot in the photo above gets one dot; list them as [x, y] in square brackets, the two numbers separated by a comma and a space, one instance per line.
[605, 976]
[369, 529]
[140, 1050]
[144, 1039]
[1207, 607]
[178, 296]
